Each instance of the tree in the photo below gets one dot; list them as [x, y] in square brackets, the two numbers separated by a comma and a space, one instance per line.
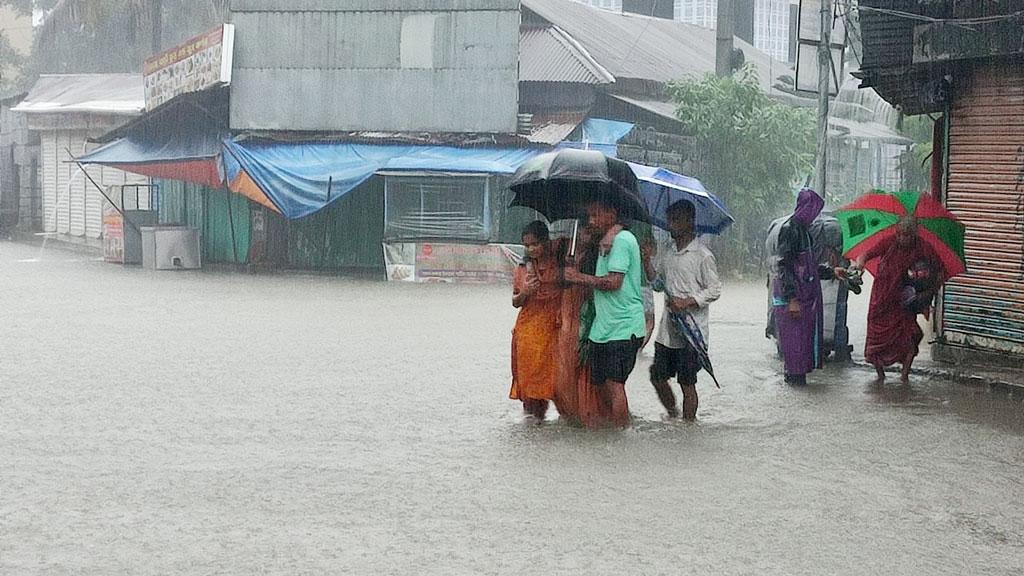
[753, 151]
[118, 35]
[915, 161]
[11, 61]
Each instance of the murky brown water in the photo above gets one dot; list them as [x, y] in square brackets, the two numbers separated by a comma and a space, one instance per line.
[209, 423]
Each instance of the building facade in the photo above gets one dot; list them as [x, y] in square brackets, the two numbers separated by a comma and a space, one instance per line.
[764, 23]
[971, 80]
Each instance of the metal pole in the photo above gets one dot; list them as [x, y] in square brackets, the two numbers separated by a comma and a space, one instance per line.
[326, 227]
[231, 222]
[104, 194]
[723, 34]
[824, 77]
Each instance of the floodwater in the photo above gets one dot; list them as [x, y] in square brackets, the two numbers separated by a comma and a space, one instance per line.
[214, 423]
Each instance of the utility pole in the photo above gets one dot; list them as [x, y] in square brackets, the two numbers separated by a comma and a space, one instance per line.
[724, 33]
[824, 81]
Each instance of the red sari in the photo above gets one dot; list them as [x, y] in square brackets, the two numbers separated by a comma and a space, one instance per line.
[576, 398]
[536, 333]
[893, 332]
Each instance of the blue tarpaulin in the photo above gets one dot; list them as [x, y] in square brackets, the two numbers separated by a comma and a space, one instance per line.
[601, 135]
[302, 178]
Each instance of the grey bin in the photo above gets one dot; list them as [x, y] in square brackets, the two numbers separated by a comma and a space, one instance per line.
[170, 248]
[132, 235]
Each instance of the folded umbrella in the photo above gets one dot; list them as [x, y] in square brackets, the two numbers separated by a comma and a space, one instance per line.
[686, 326]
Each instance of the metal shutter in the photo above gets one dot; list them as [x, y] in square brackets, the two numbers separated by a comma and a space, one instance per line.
[48, 168]
[985, 307]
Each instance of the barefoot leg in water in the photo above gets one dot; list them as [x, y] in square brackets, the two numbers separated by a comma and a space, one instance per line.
[615, 398]
[690, 402]
[665, 395]
[905, 373]
[880, 372]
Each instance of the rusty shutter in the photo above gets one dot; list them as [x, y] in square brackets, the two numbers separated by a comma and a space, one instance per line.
[985, 307]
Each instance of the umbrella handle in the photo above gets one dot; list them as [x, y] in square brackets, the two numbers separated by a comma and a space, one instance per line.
[572, 245]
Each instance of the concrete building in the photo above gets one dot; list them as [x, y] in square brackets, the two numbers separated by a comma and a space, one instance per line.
[64, 112]
[767, 24]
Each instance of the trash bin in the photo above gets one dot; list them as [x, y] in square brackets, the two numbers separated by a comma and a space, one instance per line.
[170, 248]
[131, 235]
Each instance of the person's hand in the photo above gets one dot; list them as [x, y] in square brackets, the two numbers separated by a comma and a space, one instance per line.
[682, 304]
[572, 275]
[531, 286]
[646, 250]
[793, 308]
[840, 272]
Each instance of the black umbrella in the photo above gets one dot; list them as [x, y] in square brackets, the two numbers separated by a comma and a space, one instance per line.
[560, 184]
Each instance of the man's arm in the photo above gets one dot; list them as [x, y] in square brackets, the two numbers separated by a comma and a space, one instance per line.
[608, 283]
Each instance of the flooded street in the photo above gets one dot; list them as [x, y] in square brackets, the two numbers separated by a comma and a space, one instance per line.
[219, 423]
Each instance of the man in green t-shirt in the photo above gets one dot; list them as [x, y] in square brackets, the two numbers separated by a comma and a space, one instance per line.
[618, 330]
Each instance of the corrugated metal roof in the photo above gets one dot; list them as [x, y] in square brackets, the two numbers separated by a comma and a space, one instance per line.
[369, 5]
[646, 48]
[118, 94]
[554, 128]
[548, 54]
[659, 107]
[874, 131]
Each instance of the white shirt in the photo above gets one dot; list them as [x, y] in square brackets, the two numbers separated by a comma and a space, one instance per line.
[687, 273]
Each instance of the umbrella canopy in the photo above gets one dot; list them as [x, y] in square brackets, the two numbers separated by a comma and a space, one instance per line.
[560, 184]
[661, 188]
[872, 218]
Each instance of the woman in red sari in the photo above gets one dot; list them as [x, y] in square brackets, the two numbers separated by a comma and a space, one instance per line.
[576, 398]
[893, 333]
[537, 292]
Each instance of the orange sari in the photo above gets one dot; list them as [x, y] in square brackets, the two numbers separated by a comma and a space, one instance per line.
[535, 335]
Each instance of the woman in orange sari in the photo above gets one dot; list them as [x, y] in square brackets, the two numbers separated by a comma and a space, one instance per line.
[537, 292]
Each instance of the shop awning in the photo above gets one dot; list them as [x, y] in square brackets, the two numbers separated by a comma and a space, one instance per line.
[186, 152]
[178, 141]
[300, 178]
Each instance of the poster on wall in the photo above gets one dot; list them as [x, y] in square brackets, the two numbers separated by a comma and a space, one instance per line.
[454, 263]
[113, 234]
[194, 65]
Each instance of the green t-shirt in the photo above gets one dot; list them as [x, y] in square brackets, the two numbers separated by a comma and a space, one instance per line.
[620, 314]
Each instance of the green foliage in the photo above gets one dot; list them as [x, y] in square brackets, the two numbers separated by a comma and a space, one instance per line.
[12, 62]
[915, 162]
[753, 150]
[99, 36]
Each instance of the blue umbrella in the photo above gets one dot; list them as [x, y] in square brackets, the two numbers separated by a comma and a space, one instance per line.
[661, 188]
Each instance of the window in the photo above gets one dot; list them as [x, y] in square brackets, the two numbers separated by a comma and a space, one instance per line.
[451, 207]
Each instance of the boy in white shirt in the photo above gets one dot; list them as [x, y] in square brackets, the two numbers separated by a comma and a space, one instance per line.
[687, 271]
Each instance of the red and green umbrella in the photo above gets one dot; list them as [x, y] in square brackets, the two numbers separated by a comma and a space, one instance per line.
[872, 218]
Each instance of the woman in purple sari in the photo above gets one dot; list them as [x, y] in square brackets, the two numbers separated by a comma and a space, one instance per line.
[796, 298]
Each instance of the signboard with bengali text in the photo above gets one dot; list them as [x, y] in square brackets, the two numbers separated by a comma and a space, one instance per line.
[444, 262]
[197, 64]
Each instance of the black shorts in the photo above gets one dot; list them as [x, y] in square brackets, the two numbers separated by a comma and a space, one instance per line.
[679, 363]
[613, 360]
